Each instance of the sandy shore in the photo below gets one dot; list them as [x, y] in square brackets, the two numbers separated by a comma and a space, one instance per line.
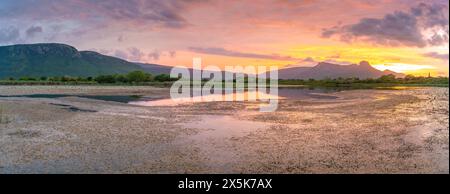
[362, 131]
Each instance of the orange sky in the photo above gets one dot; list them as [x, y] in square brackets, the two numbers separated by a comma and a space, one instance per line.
[401, 35]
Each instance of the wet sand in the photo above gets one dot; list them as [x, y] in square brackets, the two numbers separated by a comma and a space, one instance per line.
[360, 131]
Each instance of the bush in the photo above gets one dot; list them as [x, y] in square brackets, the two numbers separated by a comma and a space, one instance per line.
[121, 78]
[139, 76]
[67, 79]
[54, 79]
[163, 78]
[27, 79]
[105, 79]
[387, 78]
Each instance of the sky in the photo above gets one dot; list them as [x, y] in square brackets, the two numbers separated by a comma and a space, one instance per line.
[405, 36]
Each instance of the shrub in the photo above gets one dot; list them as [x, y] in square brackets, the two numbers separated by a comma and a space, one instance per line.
[27, 79]
[163, 77]
[387, 78]
[139, 76]
[105, 79]
[121, 78]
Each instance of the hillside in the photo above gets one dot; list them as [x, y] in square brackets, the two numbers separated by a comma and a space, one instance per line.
[35, 60]
[52, 59]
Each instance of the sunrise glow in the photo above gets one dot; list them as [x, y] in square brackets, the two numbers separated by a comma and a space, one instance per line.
[419, 70]
[404, 36]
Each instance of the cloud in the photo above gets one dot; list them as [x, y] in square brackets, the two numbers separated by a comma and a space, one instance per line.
[310, 62]
[133, 12]
[328, 32]
[172, 54]
[399, 28]
[103, 51]
[33, 30]
[308, 59]
[438, 39]
[229, 53]
[432, 14]
[9, 35]
[165, 13]
[134, 54]
[120, 38]
[131, 54]
[393, 29]
[339, 62]
[437, 56]
[121, 54]
[154, 55]
[306, 62]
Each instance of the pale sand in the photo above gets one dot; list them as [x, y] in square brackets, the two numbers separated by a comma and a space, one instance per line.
[363, 131]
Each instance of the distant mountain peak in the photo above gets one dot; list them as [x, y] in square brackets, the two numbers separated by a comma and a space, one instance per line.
[43, 49]
[364, 64]
[325, 70]
[44, 46]
[325, 64]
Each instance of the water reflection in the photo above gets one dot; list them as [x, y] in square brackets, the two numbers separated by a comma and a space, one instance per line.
[252, 96]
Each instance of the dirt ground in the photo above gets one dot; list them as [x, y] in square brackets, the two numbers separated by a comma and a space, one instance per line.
[362, 131]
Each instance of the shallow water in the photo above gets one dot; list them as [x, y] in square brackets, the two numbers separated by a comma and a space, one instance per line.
[222, 126]
[283, 93]
[313, 131]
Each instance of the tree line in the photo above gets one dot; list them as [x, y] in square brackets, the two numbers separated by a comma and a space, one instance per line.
[137, 77]
[385, 79]
[129, 78]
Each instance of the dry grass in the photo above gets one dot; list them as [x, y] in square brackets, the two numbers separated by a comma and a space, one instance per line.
[4, 119]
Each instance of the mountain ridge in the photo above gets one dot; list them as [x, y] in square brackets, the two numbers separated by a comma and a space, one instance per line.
[55, 59]
[324, 70]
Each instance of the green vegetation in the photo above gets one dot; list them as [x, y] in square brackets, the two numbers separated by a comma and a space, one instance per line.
[131, 78]
[164, 80]
[58, 60]
[383, 81]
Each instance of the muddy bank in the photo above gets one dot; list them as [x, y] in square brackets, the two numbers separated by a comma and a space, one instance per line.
[359, 131]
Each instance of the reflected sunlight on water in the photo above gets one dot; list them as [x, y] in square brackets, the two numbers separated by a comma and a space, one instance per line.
[236, 96]
[252, 96]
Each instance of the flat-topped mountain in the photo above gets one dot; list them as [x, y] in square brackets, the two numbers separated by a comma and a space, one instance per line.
[325, 70]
